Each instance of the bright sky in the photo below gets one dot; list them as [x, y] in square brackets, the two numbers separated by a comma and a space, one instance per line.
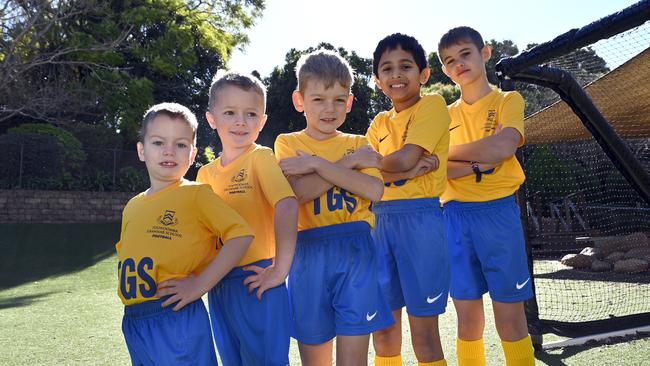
[357, 25]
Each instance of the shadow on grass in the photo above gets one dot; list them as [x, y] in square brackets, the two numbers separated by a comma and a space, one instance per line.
[22, 300]
[31, 252]
[553, 358]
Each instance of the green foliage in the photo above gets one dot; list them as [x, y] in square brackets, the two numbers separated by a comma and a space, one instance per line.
[42, 157]
[130, 179]
[548, 176]
[74, 155]
[106, 62]
[451, 93]
[65, 138]
[437, 75]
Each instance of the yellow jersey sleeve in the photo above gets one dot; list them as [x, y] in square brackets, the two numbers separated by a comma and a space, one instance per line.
[272, 181]
[282, 148]
[512, 114]
[218, 217]
[372, 135]
[429, 123]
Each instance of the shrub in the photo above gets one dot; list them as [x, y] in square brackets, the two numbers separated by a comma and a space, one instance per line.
[43, 159]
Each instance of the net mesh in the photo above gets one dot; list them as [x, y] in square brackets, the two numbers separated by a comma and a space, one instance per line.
[576, 198]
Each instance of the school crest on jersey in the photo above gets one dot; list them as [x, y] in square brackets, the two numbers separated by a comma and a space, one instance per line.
[168, 218]
[239, 177]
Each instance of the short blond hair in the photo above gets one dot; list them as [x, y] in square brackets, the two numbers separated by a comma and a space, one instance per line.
[325, 66]
[173, 110]
[243, 81]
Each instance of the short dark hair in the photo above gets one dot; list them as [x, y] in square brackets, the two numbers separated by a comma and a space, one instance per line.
[325, 66]
[458, 35]
[172, 110]
[245, 82]
[406, 43]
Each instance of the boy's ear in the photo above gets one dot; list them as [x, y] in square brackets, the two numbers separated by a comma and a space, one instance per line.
[486, 53]
[377, 82]
[298, 101]
[348, 105]
[140, 147]
[424, 75]
[193, 156]
[264, 118]
[211, 120]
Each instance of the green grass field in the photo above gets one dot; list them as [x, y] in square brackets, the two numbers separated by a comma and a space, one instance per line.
[58, 306]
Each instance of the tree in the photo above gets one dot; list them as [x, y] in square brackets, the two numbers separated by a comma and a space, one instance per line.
[83, 61]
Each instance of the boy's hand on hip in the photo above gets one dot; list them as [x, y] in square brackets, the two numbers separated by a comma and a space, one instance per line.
[181, 292]
[302, 164]
[263, 279]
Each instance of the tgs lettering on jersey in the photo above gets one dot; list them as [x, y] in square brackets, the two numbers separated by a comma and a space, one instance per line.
[134, 278]
[336, 197]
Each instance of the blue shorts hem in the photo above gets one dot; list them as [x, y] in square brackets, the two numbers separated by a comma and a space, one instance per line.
[426, 312]
[512, 299]
[467, 297]
[314, 339]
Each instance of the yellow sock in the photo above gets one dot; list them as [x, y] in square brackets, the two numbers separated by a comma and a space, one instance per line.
[388, 361]
[519, 353]
[470, 353]
[442, 362]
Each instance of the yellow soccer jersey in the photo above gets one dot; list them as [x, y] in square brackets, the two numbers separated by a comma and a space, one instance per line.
[425, 124]
[252, 184]
[474, 122]
[337, 205]
[170, 234]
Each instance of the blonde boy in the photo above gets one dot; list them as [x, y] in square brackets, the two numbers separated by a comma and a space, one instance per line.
[168, 233]
[250, 307]
[333, 288]
[483, 224]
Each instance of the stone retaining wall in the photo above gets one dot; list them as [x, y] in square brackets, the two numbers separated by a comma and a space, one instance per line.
[26, 206]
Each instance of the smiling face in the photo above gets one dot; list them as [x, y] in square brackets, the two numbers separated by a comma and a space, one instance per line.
[167, 150]
[399, 77]
[238, 116]
[464, 63]
[324, 108]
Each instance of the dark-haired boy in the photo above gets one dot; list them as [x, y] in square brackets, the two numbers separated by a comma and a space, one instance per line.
[410, 235]
[486, 243]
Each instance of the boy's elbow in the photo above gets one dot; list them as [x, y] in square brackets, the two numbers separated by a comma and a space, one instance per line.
[287, 205]
[376, 191]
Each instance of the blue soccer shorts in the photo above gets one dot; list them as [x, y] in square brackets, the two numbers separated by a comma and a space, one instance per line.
[412, 249]
[157, 336]
[487, 251]
[249, 331]
[333, 284]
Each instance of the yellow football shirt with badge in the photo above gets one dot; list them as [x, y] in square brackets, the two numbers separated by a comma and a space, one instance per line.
[425, 124]
[337, 205]
[171, 234]
[474, 122]
[252, 184]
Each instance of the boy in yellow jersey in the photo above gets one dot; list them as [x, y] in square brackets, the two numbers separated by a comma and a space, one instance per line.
[333, 284]
[168, 233]
[251, 327]
[410, 235]
[486, 243]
